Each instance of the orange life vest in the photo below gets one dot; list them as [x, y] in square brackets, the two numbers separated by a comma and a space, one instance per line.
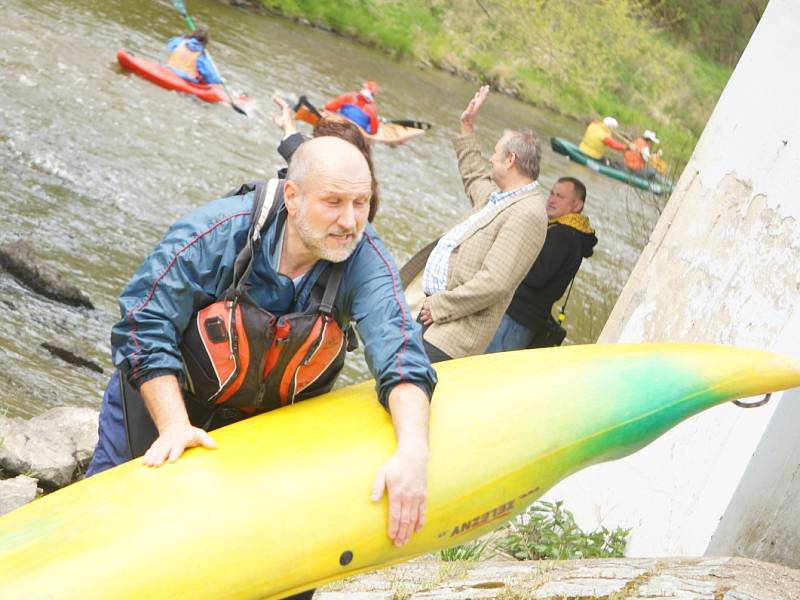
[184, 60]
[239, 355]
[633, 157]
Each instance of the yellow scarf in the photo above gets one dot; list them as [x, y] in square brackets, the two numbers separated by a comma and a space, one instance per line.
[575, 220]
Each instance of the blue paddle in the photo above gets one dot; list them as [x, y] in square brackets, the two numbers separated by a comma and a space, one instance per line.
[181, 8]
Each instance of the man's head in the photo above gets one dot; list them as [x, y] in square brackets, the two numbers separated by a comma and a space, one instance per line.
[369, 89]
[201, 35]
[349, 131]
[610, 122]
[327, 196]
[650, 136]
[567, 196]
[516, 159]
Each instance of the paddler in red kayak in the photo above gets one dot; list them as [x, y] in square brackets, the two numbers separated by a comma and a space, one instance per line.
[188, 58]
[359, 107]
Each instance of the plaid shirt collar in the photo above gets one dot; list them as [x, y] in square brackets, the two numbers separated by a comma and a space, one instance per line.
[499, 197]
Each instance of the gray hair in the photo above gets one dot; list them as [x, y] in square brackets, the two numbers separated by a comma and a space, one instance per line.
[525, 146]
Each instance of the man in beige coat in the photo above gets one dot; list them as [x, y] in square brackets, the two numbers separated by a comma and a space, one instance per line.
[471, 274]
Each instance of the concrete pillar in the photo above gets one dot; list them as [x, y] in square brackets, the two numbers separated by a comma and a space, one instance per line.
[722, 266]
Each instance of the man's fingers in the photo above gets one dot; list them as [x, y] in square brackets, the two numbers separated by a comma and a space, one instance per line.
[155, 455]
[279, 101]
[175, 452]
[207, 441]
[378, 486]
[421, 514]
[408, 509]
[171, 446]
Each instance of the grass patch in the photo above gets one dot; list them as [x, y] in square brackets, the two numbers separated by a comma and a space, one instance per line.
[582, 59]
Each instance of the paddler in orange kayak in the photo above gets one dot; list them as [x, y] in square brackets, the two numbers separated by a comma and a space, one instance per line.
[188, 58]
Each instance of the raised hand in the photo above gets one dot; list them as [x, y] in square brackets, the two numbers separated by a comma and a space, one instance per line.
[284, 119]
[471, 112]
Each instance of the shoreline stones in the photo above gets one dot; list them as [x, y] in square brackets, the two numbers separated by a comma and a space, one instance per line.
[53, 448]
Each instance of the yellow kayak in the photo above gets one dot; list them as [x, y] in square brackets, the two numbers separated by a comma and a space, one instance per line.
[283, 504]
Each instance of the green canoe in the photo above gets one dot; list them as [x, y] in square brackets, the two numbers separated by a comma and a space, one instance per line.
[657, 185]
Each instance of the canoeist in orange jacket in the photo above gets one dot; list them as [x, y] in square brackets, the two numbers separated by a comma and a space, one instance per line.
[639, 154]
[359, 107]
[597, 136]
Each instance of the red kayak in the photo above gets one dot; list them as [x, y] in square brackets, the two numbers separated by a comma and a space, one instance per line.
[166, 78]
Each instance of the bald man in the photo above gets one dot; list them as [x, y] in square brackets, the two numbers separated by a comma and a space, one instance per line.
[284, 243]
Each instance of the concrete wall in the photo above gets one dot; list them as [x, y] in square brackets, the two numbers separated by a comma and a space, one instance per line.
[723, 266]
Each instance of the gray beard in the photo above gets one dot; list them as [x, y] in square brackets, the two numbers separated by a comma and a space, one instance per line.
[316, 242]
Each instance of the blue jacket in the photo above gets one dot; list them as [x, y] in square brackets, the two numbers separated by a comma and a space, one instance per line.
[204, 66]
[193, 266]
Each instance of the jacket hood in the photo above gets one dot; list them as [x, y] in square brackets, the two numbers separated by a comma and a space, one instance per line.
[580, 223]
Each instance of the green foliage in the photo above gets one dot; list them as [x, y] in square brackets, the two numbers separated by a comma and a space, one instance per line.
[625, 58]
[548, 531]
[719, 31]
[471, 551]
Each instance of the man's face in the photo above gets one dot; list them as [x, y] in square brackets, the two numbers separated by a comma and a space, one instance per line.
[562, 200]
[500, 160]
[331, 212]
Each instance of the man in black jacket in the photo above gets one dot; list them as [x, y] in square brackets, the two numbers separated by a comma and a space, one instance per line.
[569, 240]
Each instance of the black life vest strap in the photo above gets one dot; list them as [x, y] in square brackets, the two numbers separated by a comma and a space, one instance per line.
[334, 279]
[266, 202]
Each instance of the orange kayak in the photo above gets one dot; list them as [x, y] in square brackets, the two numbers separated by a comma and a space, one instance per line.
[168, 79]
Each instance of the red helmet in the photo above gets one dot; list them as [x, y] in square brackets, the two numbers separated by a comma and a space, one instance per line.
[371, 86]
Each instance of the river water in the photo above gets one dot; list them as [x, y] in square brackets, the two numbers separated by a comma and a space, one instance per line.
[95, 163]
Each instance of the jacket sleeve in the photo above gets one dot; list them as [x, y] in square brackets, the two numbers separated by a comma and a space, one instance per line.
[510, 255]
[392, 338]
[476, 177]
[188, 269]
[173, 43]
[290, 144]
[207, 71]
[612, 143]
[338, 102]
[372, 113]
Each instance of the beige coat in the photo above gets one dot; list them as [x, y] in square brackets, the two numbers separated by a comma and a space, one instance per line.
[488, 263]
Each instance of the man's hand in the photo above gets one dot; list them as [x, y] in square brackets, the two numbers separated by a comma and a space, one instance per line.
[405, 478]
[471, 112]
[173, 439]
[164, 401]
[284, 120]
[405, 474]
[425, 316]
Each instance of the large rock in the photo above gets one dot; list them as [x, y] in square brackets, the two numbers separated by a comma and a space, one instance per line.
[54, 447]
[16, 492]
[18, 259]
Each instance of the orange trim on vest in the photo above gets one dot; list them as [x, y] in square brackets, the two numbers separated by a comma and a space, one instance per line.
[223, 359]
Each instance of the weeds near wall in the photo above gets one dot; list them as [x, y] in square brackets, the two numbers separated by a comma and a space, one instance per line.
[548, 531]
[471, 551]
